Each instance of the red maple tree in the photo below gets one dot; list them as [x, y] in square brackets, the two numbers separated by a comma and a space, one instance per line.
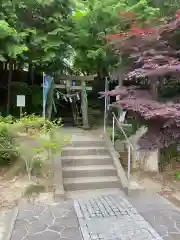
[154, 56]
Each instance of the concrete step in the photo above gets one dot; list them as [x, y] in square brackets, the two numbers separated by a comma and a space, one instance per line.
[94, 143]
[86, 183]
[89, 171]
[87, 160]
[83, 194]
[77, 151]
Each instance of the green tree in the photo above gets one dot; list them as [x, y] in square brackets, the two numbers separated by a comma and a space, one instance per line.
[48, 26]
[94, 20]
[36, 34]
[11, 40]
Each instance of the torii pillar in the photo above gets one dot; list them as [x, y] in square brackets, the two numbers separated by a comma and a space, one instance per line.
[83, 88]
[84, 106]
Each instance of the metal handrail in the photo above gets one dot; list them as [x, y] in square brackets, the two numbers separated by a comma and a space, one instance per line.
[120, 126]
[130, 146]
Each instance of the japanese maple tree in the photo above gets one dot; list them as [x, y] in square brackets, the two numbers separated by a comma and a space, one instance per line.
[154, 55]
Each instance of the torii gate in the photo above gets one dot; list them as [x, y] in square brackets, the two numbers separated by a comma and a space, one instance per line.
[68, 84]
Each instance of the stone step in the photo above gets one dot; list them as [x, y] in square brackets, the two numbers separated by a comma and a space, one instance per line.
[89, 171]
[86, 183]
[87, 144]
[87, 160]
[77, 151]
[83, 194]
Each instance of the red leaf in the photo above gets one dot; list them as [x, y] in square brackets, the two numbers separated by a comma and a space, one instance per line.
[178, 14]
[142, 31]
[114, 36]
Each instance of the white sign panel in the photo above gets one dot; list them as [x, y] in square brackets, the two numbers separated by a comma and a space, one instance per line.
[20, 100]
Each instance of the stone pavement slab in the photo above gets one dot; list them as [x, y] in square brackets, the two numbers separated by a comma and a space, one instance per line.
[160, 213]
[105, 217]
[112, 217]
[46, 221]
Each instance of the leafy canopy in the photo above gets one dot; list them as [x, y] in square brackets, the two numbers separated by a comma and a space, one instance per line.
[93, 20]
[36, 32]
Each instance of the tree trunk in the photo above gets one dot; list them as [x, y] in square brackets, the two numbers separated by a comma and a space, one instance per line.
[9, 88]
[31, 74]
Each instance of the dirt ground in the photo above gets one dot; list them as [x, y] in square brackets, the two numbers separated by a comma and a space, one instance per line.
[12, 190]
[162, 184]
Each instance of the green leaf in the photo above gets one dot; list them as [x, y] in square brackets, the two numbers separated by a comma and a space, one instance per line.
[15, 50]
[2, 58]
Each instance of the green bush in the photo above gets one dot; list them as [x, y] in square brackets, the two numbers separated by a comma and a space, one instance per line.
[177, 175]
[130, 129]
[8, 152]
[169, 154]
[119, 134]
[9, 138]
[33, 122]
[29, 122]
[135, 124]
[9, 119]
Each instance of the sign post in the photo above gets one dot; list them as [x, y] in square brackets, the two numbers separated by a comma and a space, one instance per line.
[21, 103]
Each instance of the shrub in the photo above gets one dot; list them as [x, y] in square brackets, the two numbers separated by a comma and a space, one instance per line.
[177, 175]
[130, 127]
[8, 152]
[35, 153]
[30, 122]
[46, 145]
[118, 134]
[9, 119]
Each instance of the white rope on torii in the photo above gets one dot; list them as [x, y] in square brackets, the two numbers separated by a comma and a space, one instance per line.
[68, 82]
[67, 97]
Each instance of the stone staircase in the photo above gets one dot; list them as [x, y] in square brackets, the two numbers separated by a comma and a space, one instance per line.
[87, 165]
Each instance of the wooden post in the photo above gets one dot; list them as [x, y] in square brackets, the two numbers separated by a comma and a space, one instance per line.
[84, 106]
[68, 87]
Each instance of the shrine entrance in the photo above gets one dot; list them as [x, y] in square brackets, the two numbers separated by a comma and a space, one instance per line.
[71, 93]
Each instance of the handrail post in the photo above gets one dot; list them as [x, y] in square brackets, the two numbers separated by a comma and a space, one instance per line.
[113, 130]
[129, 161]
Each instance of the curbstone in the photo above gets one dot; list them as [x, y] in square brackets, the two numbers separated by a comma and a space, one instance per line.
[9, 227]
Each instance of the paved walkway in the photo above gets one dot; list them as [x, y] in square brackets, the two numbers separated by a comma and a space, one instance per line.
[106, 217]
[160, 213]
[112, 218]
[47, 222]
